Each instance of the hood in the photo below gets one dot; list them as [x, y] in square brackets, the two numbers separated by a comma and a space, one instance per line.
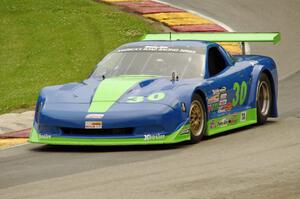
[102, 94]
[72, 93]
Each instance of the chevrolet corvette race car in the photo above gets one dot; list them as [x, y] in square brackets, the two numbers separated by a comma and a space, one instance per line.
[166, 88]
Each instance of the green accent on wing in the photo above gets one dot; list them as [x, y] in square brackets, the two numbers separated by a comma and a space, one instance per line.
[236, 119]
[218, 36]
[175, 137]
[111, 89]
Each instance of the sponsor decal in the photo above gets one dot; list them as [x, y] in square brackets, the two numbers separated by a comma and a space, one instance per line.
[93, 125]
[223, 96]
[221, 109]
[157, 49]
[233, 118]
[213, 99]
[243, 116]
[217, 102]
[185, 131]
[160, 49]
[157, 136]
[45, 136]
[209, 107]
[212, 124]
[213, 107]
[225, 121]
[228, 106]
[218, 91]
[224, 106]
[94, 116]
[231, 121]
[130, 50]
[223, 102]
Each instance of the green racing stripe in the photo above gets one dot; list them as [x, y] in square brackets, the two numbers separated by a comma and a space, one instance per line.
[111, 89]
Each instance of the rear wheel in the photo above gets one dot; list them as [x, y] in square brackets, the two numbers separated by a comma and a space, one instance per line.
[198, 119]
[263, 99]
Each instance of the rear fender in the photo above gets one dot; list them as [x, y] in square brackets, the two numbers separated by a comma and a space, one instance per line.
[272, 74]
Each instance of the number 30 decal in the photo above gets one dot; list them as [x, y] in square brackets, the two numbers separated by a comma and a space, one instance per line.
[152, 97]
[240, 93]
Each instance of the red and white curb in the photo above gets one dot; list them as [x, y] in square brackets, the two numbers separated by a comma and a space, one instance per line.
[15, 128]
[178, 19]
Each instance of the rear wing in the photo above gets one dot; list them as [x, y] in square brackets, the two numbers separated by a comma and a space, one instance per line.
[242, 37]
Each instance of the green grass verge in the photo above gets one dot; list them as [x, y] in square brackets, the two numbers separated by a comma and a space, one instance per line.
[52, 42]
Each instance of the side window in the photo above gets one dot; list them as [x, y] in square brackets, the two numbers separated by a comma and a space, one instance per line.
[216, 61]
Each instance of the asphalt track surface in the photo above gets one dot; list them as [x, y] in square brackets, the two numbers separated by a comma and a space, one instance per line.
[254, 162]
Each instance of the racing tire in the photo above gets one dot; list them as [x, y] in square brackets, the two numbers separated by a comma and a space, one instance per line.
[263, 99]
[198, 119]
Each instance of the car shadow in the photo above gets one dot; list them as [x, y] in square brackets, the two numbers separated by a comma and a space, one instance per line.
[103, 149]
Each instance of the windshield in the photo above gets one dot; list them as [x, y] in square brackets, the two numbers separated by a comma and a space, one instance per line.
[152, 60]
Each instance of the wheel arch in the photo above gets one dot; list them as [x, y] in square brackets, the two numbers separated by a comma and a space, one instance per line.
[273, 110]
[201, 93]
[271, 73]
[198, 91]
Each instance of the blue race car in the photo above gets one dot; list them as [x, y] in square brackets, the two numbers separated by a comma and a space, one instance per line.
[167, 88]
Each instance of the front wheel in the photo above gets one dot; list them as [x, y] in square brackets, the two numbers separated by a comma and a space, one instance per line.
[263, 99]
[198, 119]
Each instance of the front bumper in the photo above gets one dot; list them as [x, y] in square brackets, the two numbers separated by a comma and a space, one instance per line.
[180, 135]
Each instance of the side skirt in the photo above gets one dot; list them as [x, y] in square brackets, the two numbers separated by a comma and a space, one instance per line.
[231, 121]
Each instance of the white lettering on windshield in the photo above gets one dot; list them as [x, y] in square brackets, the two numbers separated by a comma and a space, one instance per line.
[158, 49]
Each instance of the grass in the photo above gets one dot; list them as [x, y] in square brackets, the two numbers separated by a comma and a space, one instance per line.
[52, 42]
